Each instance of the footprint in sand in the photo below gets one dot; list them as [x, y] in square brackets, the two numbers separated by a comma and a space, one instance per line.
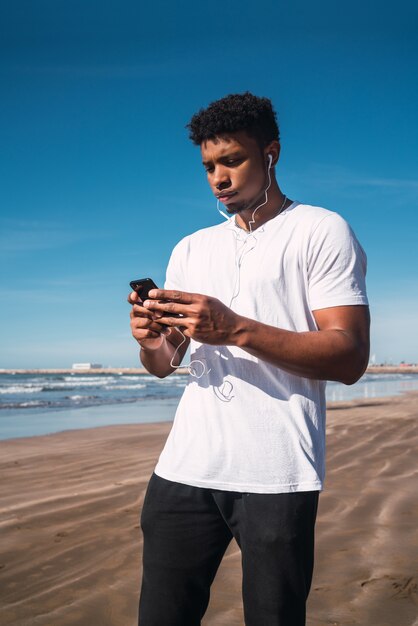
[404, 588]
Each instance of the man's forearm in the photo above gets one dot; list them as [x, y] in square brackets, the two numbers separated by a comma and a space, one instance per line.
[337, 351]
[158, 361]
[331, 354]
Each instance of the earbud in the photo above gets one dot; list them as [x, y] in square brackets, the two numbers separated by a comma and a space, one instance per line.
[270, 156]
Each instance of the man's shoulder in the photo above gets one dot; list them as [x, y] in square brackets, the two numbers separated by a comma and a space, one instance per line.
[208, 231]
[311, 212]
[203, 236]
[312, 218]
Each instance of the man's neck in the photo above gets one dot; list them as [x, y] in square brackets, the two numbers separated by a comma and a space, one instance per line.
[250, 221]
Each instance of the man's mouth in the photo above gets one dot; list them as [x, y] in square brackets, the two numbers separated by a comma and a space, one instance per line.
[225, 196]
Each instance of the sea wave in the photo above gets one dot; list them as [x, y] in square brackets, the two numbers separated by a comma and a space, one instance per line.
[20, 389]
[50, 392]
[121, 387]
[31, 403]
[88, 379]
[79, 397]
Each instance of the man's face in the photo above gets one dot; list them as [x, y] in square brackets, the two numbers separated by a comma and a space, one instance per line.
[236, 170]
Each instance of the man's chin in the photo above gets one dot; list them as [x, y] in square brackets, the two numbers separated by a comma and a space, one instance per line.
[239, 207]
[233, 209]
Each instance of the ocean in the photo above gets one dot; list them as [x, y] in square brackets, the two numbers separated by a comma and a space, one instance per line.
[35, 404]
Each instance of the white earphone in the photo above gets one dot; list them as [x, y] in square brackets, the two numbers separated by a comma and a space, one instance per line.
[224, 393]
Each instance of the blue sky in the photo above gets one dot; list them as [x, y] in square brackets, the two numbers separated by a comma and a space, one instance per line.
[98, 179]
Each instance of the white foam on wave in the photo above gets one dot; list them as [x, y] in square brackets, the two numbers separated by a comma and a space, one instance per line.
[20, 389]
[119, 387]
[82, 379]
[71, 384]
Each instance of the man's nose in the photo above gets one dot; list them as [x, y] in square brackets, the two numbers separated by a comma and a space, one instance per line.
[221, 178]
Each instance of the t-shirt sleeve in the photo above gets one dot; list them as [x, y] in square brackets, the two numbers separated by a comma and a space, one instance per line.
[336, 265]
[176, 269]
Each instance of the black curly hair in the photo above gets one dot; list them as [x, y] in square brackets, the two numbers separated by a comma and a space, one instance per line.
[233, 113]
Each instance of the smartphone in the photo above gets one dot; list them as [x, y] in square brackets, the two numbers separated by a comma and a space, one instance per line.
[142, 286]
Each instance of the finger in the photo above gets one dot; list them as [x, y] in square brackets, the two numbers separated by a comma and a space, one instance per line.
[178, 322]
[145, 314]
[146, 334]
[170, 294]
[143, 323]
[139, 311]
[133, 298]
[166, 307]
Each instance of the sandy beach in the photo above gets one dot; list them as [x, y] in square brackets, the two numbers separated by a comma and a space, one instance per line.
[71, 542]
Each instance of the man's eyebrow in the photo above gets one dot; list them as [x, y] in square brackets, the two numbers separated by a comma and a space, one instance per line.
[236, 153]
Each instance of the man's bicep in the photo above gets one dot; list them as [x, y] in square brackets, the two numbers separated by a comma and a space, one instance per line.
[351, 319]
[345, 334]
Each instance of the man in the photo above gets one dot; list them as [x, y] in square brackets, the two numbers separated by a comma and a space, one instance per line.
[273, 304]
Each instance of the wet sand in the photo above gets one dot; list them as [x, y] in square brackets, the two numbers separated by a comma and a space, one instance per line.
[71, 544]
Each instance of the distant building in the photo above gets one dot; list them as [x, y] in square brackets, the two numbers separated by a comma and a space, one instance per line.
[86, 366]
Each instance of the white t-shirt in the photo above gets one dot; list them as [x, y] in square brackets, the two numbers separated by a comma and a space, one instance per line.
[246, 425]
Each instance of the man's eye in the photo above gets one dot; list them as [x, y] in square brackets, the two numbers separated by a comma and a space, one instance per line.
[208, 169]
[233, 162]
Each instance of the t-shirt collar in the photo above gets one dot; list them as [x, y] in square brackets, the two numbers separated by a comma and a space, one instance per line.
[232, 225]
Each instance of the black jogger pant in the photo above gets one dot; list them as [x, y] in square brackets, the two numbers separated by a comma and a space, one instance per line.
[186, 532]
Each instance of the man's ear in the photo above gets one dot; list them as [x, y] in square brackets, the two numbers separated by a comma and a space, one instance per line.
[272, 149]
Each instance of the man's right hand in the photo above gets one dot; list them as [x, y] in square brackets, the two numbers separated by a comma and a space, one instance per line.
[145, 329]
